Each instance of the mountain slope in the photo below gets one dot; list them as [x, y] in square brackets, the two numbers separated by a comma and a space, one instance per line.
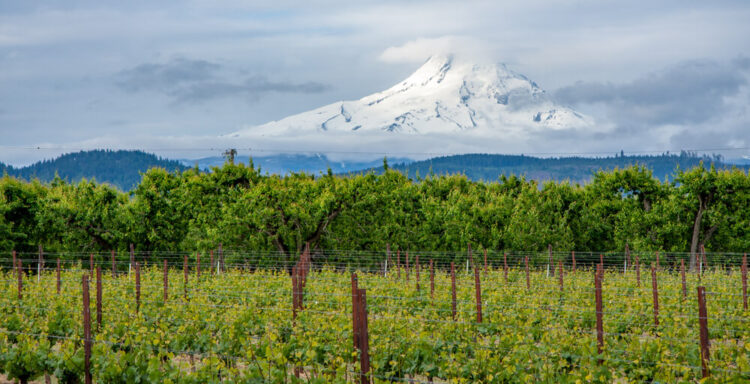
[119, 168]
[445, 96]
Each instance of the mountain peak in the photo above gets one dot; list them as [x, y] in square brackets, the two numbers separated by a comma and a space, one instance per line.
[445, 95]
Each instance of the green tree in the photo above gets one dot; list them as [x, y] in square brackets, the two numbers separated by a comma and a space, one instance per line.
[715, 199]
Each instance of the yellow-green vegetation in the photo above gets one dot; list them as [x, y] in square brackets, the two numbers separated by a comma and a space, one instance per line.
[237, 327]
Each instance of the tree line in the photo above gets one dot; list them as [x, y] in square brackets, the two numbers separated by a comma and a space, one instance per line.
[238, 206]
[577, 169]
[121, 168]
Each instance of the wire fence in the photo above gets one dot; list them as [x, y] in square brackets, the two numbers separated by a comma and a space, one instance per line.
[506, 320]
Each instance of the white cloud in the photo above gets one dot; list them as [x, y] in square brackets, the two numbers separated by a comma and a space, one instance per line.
[419, 50]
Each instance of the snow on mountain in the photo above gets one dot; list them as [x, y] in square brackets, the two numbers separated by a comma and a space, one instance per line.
[444, 96]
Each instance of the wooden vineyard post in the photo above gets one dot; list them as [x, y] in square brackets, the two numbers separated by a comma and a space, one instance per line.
[550, 266]
[638, 269]
[478, 292]
[528, 279]
[300, 290]
[211, 260]
[58, 276]
[20, 279]
[398, 264]
[198, 265]
[364, 343]
[132, 259]
[453, 291]
[703, 324]
[86, 329]
[166, 281]
[655, 290]
[355, 312]
[407, 265]
[744, 281]
[416, 266]
[485, 261]
[114, 265]
[684, 282]
[599, 311]
[91, 263]
[137, 287]
[15, 261]
[702, 257]
[560, 275]
[98, 297]
[360, 329]
[432, 280]
[505, 267]
[573, 255]
[185, 274]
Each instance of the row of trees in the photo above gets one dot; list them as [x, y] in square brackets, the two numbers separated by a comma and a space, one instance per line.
[238, 206]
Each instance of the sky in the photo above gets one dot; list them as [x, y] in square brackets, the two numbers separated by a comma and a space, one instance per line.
[170, 77]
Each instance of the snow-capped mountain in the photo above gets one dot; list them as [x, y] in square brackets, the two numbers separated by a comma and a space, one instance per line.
[444, 96]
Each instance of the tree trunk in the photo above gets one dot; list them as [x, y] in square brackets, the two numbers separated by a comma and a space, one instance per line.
[696, 235]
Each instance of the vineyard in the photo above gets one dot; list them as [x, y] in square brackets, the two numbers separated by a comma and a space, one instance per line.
[415, 317]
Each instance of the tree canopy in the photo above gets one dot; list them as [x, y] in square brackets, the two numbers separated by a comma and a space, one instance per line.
[239, 207]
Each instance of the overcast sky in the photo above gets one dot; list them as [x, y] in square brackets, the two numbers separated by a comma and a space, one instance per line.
[167, 76]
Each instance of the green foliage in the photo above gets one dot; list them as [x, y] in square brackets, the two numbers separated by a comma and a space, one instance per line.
[237, 327]
[237, 206]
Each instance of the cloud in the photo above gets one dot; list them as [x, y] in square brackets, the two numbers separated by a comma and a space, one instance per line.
[689, 93]
[166, 77]
[250, 88]
[419, 50]
[193, 81]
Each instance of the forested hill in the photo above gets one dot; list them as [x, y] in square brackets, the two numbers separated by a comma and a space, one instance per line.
[121, 169]
[577, 169]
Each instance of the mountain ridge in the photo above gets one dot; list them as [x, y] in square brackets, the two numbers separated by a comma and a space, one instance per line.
[489, 167]
[120, 168]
